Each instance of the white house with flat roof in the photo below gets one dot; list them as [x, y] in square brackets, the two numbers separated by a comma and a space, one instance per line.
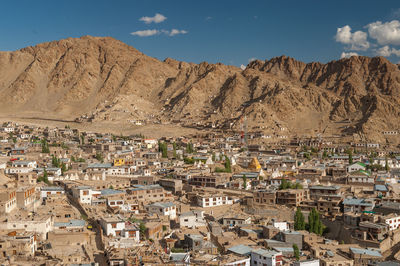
[84, 194]
[163, 209]
[47, 191]
[266, 257]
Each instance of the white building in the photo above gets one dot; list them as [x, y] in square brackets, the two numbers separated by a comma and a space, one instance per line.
[118, 228]
[118, 171]
[393, 220]
[84, 194]
[306, 263]
[212, 201]
[356, 167]
[162, 209]
[238, 262]
[112, 226]
[192, 219]
[282, 226]
[266, 257]
[24, 164]
[39, 224]
[47, 191]
[236, 221]
[123, 205]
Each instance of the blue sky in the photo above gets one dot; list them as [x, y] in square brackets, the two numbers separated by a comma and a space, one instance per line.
[227, 31]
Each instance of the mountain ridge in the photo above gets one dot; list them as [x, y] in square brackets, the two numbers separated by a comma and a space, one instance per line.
[103, 79]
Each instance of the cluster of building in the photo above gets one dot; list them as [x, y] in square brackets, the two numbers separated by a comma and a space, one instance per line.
[70, 197]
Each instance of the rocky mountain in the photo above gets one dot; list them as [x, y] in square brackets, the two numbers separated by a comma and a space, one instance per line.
[103, 79]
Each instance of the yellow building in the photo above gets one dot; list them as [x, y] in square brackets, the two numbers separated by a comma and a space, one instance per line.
[119, 162]
[254, 165]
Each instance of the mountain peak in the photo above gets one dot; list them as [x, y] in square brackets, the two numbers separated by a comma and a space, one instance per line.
[79, 77]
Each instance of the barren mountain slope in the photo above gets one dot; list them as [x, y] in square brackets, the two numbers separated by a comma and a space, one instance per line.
[105, 79]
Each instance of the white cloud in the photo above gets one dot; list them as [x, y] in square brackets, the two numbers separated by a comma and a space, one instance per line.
[158, 18]
[243, 67]
[252, 59]
[145, 33]
[347, 55]
[387, 51]
[208, 18]
[174, 32]
[385, 33]
[356, 40]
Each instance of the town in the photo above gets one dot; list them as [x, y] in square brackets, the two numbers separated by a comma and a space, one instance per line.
[71, 197]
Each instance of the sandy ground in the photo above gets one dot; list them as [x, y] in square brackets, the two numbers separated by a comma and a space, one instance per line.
[117, 128]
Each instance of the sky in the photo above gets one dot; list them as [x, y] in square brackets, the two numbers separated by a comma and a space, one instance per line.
[232, 32]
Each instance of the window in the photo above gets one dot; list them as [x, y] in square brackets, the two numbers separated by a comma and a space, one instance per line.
[114, 225]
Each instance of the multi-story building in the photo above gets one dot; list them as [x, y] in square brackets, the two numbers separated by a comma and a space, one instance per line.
[266, 257]
[291, 197]
[8, 200]
[163, 209]
[152, 193]
[25, 196]
[264, 197]
[393, 220]
[48, 191]
[84, 194]
[208, 181]
[213, 200]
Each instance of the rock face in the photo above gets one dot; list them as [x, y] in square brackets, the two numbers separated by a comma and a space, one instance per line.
[103, 78]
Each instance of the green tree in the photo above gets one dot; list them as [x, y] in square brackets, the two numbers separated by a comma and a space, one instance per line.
[174, 148]
[350, 152]
[244, 181]
[189, 148]
[73, 158]
[213, 157]
[188, 160]
[142, 230]
[82, 139]
[314, 223]
[296, 252]
[99, 157]
[63, 168]
[299, 222]
[44, 178]
[325, 154]
[284, 184]
[227, 165]
[55, 161]
[45, 146]
[162, 147]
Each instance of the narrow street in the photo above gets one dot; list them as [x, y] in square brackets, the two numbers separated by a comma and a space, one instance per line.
[98, 248]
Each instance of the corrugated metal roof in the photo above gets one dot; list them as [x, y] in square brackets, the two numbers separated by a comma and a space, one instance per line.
[366, 251]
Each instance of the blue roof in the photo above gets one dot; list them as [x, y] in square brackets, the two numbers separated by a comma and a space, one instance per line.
[283, 250]
[360, 202]
[241, 250]
[380, 188]
[52, 189]
[247, 174]
[99, 165]
[71, 223]
[264, 252]
[109, 191]
[178, 257]
[163, 204]
[366, 251]
[141, 187]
